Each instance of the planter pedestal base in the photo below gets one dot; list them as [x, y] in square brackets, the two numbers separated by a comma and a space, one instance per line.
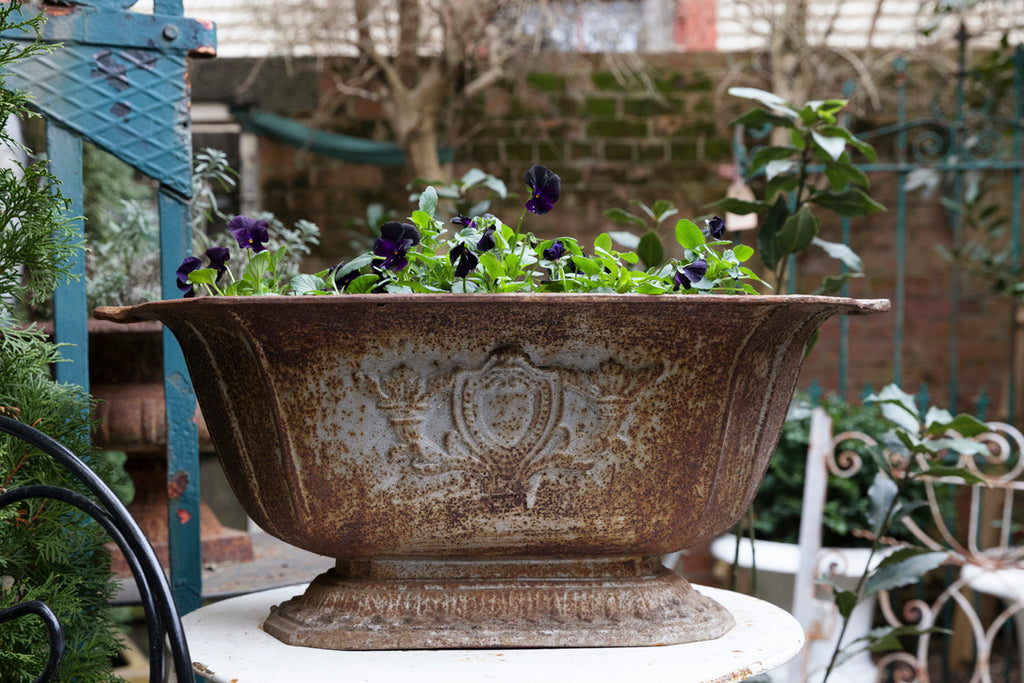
[534, 602]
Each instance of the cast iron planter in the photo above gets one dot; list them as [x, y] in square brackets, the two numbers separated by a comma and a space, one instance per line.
[495, 470]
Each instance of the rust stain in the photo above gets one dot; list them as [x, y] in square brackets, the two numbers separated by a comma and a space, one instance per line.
[177, 485]
[184, 516]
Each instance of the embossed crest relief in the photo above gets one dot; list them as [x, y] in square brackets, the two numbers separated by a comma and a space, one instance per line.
[508, 427]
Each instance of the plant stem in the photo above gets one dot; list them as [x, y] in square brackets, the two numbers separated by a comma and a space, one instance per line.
[876, 544]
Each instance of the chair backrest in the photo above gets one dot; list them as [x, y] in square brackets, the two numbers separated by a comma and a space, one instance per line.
[981, 540]
[163, 622]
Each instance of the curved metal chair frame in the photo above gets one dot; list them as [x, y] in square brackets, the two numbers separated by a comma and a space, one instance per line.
[163, 622]
[1001, 470]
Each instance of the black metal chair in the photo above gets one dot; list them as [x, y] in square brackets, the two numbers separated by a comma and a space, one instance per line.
[163, 622]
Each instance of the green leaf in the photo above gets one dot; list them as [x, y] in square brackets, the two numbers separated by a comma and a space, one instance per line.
[832, 146]
[203, 276]
[768, 99]
[755, 119]
[743, 252]
[781, 184]
[428, 201]
[767, 154]
[841, 175]
[650, 250]
[881, 494]
[470, 178]
[623, 216]
[305, 283]
[423, 220]
[833, 284]
[845, 602]
[587, 265]
[688, 234]
[840, 252]
[356, 263]
[625, 239]
[603, 241]
[363, 284]
[769, 249]
[961, 473]
[780, 168]
[897, 406]
[903, 572]
[663, 209]
[851, 202]
[963, 424]
[798, 231]
[737, 206]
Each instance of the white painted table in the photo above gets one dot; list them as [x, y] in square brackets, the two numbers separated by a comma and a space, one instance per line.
[228, 646]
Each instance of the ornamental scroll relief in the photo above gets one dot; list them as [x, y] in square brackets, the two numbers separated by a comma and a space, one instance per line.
[510, 425]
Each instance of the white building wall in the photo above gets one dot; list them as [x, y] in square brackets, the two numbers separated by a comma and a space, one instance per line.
[259, 28]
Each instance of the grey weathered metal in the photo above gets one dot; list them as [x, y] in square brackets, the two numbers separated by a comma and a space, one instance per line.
[495, 470]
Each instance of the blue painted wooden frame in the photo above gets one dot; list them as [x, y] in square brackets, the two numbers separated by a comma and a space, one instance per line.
[119, 81]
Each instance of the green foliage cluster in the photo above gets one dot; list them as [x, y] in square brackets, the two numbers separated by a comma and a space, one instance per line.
[122, 229]
[517, 261]
[918, 445]
[813, 170]
[47, 551]
[50, 551]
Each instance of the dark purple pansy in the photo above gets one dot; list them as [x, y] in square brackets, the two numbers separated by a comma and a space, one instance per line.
[187, 266]
[218, 257]
[393, 244]
[716, 227]
[545, 189]
[342, 281]
[486, 241]
[555, 251]
[463, 220]
[690, 275]
[466, 259]
[249, 232]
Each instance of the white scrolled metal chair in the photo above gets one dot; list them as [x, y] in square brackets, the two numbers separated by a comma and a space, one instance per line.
[981, 544]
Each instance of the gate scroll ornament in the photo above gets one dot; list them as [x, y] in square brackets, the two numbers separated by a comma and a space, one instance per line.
[508, 429]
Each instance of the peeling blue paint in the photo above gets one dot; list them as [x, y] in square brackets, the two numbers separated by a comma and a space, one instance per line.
[107, 67]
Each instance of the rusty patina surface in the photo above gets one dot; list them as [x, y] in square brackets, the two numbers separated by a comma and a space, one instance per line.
[442, 446]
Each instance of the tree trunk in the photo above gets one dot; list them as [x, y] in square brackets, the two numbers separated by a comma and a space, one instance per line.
[420, 145]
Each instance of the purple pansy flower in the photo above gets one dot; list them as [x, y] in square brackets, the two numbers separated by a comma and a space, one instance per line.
[545, 189]
[555, 251]
[394, 242]
[486, 241]
[690, 275]
[716, 227]
[467, 260]
[187, 266]
[218, 257]
[249, 232]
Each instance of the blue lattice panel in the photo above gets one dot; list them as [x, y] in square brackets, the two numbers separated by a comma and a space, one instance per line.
[119, 81]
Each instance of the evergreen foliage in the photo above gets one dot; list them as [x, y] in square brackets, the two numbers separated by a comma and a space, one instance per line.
[48, 551]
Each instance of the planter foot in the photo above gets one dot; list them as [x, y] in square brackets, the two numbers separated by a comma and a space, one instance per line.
[534, 602]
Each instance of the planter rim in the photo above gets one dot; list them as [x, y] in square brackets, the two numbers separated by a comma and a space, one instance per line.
[843, 305]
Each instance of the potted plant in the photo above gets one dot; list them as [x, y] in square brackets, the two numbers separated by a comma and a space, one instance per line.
[496, 436]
